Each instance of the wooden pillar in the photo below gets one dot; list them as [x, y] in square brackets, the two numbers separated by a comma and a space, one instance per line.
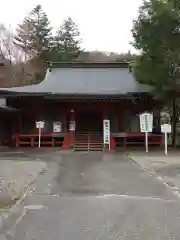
[120, 119]
[66, 142]
[105, 111]
[20, 124]
[70, 136]
[72, 131]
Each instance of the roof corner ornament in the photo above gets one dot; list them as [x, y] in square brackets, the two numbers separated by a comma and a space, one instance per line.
[50, 66]
[130, 67]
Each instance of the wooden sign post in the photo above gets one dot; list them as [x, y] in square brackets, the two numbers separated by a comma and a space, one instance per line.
[165, 128]
[39, 125]
[146, 125]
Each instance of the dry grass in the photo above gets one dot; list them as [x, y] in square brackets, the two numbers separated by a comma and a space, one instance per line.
[7, 200]
[15, 177]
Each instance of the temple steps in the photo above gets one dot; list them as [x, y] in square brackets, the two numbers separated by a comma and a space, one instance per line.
[88, 142]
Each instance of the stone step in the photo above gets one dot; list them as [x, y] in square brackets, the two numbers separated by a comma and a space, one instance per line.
[93, 142]
[89, 147]
[89, 142]
[86, 149]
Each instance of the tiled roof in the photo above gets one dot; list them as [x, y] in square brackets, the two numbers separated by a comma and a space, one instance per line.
[85, 81]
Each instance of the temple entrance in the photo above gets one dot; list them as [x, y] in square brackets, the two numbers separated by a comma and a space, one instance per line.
[89, 122]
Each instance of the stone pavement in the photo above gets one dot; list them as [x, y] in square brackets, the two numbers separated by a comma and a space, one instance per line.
[155, 157]
[99, 196]
[167, 168]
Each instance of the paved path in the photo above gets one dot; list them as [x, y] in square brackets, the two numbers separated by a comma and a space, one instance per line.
[166, 167]
[99, 196]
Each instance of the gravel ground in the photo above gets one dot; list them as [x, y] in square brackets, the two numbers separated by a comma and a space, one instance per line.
[15, 177]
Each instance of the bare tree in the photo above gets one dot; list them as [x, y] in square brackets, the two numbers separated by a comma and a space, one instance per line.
[14, 58]
[8, 50]
[22, 39]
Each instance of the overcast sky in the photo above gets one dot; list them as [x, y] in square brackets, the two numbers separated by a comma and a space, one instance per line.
[105, 25]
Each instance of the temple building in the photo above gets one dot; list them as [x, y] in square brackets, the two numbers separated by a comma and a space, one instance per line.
[73, 100]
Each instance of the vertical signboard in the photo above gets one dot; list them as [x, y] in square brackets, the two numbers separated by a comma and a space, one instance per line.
[106, 131]
[165, 128]
[39, 125]
[72, 126]
[146, 125]
[57, 127]
[146, 122]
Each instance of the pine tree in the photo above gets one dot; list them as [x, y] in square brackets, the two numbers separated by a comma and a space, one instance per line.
[68, 41]
[34, 34]
[34, 38]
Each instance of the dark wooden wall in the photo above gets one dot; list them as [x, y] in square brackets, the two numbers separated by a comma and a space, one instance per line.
[32, 109]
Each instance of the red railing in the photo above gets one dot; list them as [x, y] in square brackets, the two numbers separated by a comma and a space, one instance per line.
[138, 139]
[32, 140]
[48, 139]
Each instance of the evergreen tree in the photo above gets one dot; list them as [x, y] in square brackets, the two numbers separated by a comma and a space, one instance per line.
[156, 34]
[67, 41]
[34, 35]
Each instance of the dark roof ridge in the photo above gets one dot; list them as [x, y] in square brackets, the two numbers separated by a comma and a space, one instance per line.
[88, 64]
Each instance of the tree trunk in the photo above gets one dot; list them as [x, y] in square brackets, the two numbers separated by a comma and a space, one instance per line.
[174, 121]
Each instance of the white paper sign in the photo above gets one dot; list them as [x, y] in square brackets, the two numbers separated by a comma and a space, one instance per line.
[166, 128]
[40, 124]
[56, 127]
[146, 122]
[106, 127]
[72, 126]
